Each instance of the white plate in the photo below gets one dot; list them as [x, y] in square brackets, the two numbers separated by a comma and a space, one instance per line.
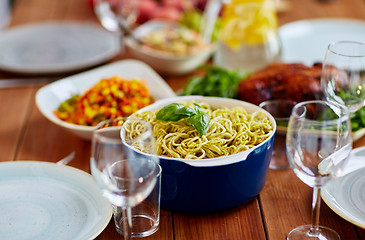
[49, 97]
[42, 200]
[306, 41]
[358, 134]
[55, 47]
[346, 194]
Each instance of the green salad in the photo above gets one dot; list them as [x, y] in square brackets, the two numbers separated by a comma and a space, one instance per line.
[216, 81]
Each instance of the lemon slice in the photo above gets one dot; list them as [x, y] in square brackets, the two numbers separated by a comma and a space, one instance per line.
[247, 22]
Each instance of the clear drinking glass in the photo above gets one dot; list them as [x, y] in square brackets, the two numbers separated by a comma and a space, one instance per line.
[280, 109]
[343, 75]
[5, 13]
[145, 216]
[318, 145]
[124, 175]
[117, 15]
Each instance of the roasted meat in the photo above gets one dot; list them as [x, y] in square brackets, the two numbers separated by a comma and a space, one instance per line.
[294, 81]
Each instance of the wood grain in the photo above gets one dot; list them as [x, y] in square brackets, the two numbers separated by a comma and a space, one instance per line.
[14, 115]
[284, 203]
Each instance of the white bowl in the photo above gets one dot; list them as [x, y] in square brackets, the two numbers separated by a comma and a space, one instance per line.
[49, 97]
[169, 64]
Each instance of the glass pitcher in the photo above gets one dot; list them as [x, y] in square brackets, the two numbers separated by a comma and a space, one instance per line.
[248, 37]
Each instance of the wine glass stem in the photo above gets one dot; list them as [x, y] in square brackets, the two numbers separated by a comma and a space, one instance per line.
[127, 225]
[316, 205]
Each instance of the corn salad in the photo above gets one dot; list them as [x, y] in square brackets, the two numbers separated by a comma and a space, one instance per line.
[109, 98]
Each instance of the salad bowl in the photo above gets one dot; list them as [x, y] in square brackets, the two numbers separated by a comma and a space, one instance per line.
[163, 60]
[49, 97]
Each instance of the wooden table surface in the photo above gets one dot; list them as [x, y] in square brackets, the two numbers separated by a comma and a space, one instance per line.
[284, 203]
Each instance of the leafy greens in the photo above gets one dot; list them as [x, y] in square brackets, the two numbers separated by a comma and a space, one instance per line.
[176, 111]
[217, 82]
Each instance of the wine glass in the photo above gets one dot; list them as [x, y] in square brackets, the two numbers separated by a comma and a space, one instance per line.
[117, 15]
[125, 175]
[318, 145]
[343, 75]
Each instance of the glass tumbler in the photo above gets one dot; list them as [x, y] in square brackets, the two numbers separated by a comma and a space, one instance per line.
[145, 216]
[280, 110]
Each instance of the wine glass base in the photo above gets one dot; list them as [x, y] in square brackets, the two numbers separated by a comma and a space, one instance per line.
[304, 232]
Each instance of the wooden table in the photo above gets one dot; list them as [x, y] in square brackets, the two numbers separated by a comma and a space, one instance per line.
[284, 203]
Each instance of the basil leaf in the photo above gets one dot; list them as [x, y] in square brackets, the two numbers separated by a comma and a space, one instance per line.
[186, 111]
[200, 122]
[168, 113]
[196, 116]
[198, 108]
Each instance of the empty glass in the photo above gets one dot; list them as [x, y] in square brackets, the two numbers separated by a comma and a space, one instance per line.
[126, 175]
[318, 144]
[343, 75]
[146, 215]
[116, 15]
[5, 13]
[280, 110]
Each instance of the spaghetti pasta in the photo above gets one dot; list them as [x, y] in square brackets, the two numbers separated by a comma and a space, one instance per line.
[231, 130]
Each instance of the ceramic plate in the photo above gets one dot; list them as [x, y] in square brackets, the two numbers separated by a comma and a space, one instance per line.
[306, 41]
[42, 200]
[49, 97]
[346, 194]
[55, 47]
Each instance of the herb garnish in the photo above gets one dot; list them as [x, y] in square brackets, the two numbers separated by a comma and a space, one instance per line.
[216, 81]
[176, 111]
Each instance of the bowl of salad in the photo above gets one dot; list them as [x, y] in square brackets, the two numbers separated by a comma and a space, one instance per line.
[79, 102]
[168, 47]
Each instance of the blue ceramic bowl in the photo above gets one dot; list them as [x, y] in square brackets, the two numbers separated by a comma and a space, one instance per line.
[214, 184]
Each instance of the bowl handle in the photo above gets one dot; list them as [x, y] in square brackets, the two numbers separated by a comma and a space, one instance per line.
[218, 161]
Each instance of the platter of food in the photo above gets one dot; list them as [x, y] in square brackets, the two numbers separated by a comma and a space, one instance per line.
[43, 200]
[126, 86]
[306, 41]
[55, 47]
[345, 195]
